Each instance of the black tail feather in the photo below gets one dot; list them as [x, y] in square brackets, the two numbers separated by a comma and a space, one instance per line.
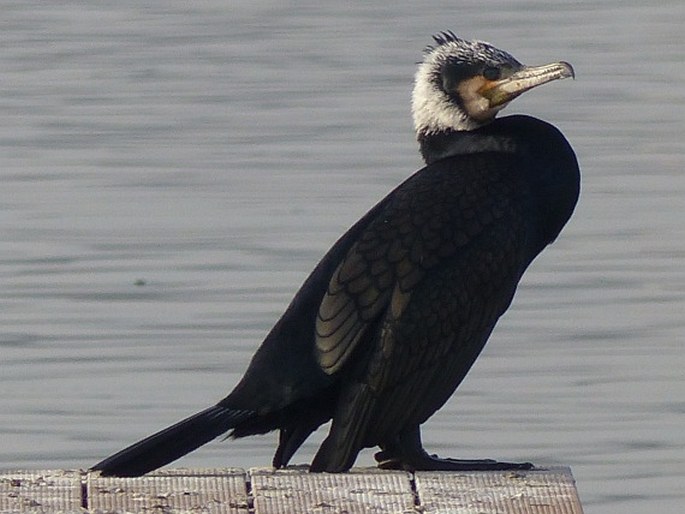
[172, 442]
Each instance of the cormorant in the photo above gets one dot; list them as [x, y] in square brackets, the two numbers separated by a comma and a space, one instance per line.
[390, 321]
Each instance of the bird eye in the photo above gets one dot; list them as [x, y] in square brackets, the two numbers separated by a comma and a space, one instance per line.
[491, 73]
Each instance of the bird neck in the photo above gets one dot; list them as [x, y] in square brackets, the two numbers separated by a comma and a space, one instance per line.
[435, 146]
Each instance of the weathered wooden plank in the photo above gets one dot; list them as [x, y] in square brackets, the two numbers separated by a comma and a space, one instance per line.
[293, 491]
[550, 491]
[40, 491]
[173, 491]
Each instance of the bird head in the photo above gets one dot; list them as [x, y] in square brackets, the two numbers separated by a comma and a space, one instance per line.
[462, 85]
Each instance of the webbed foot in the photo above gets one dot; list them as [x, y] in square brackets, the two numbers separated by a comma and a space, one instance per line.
[434, 463]
[406, 452]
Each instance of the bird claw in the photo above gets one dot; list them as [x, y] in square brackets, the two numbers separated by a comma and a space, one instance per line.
[386, 460]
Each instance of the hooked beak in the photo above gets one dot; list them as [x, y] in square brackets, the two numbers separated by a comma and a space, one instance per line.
[500, 92]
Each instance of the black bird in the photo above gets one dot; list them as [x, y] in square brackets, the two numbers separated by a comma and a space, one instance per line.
[390, 321]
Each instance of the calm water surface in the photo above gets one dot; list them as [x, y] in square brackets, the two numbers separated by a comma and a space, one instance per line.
[172, 171]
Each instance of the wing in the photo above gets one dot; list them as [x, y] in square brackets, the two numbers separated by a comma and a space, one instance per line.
[428, 221]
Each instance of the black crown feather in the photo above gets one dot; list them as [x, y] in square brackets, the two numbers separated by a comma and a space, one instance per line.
[442, 38]
[446, 36]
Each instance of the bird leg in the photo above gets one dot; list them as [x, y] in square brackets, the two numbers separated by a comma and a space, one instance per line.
[407, 453]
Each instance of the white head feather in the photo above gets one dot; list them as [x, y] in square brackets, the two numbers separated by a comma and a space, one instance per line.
[433, 110]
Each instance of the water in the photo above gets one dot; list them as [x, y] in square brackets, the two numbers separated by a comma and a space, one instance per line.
[171, 172]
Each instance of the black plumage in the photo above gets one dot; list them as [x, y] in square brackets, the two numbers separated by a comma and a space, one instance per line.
[392, 318]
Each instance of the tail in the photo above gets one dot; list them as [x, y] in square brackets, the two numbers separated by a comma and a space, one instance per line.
[172, 443]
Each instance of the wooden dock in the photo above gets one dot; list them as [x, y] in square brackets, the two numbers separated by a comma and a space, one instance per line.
[291, 491]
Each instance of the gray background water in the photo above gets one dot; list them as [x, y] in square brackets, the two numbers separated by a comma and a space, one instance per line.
[214, 150]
